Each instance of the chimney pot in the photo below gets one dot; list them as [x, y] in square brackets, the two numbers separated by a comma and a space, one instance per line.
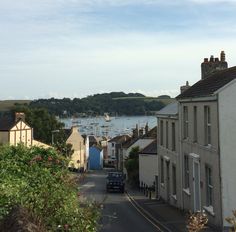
[214, 65]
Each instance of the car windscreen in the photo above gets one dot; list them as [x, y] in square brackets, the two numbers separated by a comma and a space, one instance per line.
[115, 176]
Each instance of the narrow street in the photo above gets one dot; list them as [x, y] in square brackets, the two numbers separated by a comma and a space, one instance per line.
[118, 214]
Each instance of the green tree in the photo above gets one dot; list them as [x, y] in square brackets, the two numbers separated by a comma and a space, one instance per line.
[132, 166]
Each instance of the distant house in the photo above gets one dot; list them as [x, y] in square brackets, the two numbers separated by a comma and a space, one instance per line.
[139, 139]
[78, 158]
[14, 130]
[148, 166]
[169, 162]
[92, 140]
[114, 149]
[95, 158]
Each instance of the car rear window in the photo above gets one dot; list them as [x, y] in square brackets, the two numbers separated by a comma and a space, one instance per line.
[115, 175]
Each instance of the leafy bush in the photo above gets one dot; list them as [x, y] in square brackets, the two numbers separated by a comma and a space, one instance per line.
[132, 166]
[38, 180]
[232, 221]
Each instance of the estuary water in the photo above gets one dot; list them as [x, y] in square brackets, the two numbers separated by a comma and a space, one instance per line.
[99, 126]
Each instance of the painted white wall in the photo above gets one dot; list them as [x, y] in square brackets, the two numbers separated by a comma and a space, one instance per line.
[227, 136]
[20, 133]
[148, 168]
[87, 146]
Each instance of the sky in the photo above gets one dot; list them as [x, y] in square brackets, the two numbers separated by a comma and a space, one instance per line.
[76, 48]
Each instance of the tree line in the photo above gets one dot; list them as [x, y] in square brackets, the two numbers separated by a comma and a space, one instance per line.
[116, 103]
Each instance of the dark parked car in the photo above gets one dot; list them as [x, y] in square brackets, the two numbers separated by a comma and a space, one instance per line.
[115, 181]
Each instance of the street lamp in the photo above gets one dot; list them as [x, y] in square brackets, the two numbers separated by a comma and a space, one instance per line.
[54, 131]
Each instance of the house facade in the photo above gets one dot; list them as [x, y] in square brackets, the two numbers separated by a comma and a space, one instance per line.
[207, 116]
[148, 165]
[14, 130]
[78, 159]
[114, 146]
[169, 162]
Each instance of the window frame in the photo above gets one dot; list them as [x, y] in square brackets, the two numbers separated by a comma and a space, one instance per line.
[209, 186]
[167, 134]
[174, 180]
[162, 170]
[186, 172]
[173, 133]
[161, 132]
[185, 122]
[207, 125]
[195, 124]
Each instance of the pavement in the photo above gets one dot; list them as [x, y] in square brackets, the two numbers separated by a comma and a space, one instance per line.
[167, 217]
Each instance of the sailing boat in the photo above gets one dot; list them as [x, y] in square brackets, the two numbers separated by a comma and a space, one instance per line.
[107, 117]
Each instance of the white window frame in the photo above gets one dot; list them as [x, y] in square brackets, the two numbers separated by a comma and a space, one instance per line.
[185, 122]
[209, 186]
[207, 116]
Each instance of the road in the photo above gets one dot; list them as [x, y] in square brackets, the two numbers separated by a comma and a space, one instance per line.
[118, 214]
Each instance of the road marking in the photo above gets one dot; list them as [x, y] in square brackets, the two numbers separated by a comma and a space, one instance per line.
[137, 207]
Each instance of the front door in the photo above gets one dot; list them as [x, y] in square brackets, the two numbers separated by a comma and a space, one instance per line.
[196, 185]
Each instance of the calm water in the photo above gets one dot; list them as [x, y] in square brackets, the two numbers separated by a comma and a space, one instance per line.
[117, 126]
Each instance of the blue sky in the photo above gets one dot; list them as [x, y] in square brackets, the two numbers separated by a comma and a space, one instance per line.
[75, 48]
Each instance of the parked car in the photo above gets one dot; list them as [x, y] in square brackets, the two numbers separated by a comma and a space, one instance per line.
[115, 181]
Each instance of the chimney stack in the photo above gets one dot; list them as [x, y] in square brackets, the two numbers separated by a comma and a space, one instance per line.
[213, 65]
[222, 56]
[19, 116]
[184, 87]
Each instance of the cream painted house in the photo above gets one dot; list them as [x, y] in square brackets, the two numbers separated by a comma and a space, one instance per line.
[14, 130]
[78, 158]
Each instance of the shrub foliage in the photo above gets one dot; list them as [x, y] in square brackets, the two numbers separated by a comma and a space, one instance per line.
[38, 180]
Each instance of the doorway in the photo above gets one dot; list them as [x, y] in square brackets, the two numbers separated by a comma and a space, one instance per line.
[196, 186]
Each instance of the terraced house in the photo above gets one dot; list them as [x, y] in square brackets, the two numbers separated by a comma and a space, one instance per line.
[168, 155]
[206, 144]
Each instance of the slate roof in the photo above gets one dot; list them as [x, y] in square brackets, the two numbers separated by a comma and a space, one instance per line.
[150, 149]
[129, 142]
[119, 139]
[210, 85]
[6, 122]
[170, 109]
[151, 134]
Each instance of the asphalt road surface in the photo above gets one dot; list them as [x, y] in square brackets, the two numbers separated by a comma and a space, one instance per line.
[118, 214]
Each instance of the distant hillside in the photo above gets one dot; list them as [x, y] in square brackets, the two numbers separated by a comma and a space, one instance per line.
[114, 103]
[10, 104]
